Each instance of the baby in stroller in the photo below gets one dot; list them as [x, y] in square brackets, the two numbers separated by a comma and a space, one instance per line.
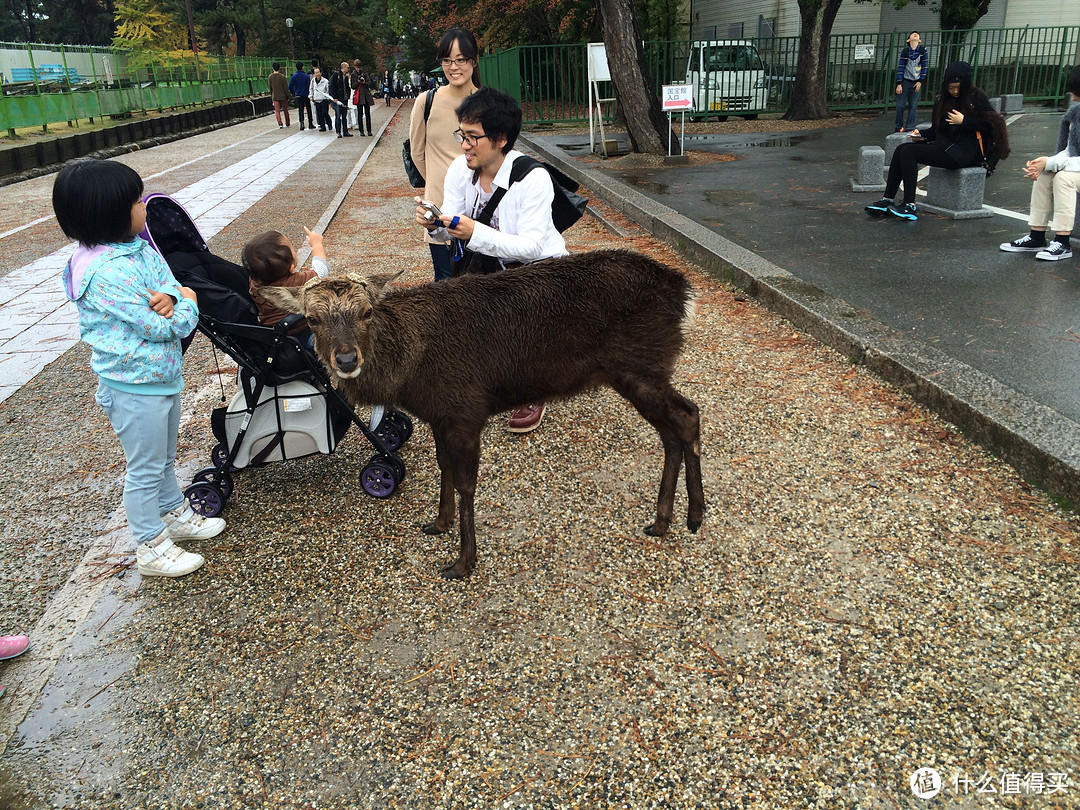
[271, 260]
[285, 406]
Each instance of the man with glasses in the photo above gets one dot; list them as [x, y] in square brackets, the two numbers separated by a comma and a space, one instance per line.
[520, 229]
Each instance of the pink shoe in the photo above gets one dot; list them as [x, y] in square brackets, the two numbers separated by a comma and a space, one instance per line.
[11, 646]
[526, 418]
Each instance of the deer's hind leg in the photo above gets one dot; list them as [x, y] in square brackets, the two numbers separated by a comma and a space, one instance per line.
[677, 421]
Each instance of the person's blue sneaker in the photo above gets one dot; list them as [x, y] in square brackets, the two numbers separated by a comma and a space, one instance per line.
[904, 211]
[880, 208]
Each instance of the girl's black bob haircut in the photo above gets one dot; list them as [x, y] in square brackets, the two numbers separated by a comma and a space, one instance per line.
[92, 200]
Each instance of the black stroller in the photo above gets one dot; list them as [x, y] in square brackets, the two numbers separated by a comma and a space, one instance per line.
[285, 407]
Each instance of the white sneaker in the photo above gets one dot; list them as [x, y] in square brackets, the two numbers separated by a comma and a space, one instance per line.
[161, 557]
[184, 524]
[1055, 252]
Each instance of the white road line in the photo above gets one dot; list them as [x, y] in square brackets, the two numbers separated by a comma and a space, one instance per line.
[40, 324]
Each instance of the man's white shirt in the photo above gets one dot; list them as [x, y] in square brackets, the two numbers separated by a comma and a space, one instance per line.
[526, 232]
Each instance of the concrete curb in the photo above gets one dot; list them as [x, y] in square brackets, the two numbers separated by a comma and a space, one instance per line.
[1040, 443]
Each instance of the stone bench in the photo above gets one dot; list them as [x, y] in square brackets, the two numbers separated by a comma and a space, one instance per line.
[870, 174]
[956, 193]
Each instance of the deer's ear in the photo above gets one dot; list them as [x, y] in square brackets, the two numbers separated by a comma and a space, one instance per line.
[287, 299]
[379, 281]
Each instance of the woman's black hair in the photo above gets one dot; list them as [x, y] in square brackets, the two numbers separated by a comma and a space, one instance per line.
[497, 112]
[466, 43]
[971, 101]
[93, 198]
[1072, 84]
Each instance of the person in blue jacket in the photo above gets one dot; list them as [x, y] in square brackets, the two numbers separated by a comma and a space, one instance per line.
[910, 77]
[133, 315]
[299, 87]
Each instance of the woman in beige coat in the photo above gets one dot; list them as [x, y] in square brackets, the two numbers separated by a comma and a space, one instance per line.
[433, 144]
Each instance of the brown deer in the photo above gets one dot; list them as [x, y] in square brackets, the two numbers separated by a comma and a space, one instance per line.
[455, 352]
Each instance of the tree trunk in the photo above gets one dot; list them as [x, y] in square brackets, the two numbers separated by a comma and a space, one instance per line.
[647, 126]
[811, 77]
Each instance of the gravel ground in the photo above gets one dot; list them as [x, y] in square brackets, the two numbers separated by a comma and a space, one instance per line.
[869, 594]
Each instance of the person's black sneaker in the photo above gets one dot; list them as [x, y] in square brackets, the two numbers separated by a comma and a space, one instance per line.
[1024, 244]
[880, 208]
[904, 211]
[1055, 252]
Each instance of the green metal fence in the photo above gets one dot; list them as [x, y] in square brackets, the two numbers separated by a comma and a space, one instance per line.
[551, 81]
[47, 84]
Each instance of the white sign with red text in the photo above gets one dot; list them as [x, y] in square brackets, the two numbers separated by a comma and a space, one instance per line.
[677, 97]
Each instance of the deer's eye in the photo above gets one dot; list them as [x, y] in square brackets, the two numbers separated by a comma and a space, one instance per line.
[367, 315]
[312, 321]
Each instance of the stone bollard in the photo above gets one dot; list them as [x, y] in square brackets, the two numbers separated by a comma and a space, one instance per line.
[956, 193]
[893, 141]
[1013, 103]
[996, 104]
[871, 170]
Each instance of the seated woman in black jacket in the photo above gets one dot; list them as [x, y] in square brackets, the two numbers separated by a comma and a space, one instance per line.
[960, 111]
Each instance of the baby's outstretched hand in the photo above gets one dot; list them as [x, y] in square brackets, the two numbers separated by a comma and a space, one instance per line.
[162, 303]
[316, 242]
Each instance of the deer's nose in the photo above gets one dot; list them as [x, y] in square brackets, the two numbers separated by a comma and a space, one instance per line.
[346, 362]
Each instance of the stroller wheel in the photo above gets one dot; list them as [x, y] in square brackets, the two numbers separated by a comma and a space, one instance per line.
[390, 433]
[212, 475]
[380, 478]
[403, 423]
[205, 499]
[219, 454]
[399, 466]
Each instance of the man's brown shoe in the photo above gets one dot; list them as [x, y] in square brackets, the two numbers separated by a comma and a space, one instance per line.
[526, 418]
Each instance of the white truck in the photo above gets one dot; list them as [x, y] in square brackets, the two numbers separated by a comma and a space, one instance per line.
[728, 77]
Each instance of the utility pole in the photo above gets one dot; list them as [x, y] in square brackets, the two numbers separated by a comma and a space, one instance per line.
[288, 24]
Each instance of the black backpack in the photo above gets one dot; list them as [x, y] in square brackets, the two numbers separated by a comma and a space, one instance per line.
[567, 206]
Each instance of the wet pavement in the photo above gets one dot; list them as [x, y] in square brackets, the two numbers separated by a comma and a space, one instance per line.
[944, 282]
[870, 592]
[940, 286]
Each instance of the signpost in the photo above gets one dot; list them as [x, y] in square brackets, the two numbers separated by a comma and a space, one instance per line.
[677, 98]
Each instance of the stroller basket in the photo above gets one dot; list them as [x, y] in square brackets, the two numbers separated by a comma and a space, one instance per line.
[285, 407]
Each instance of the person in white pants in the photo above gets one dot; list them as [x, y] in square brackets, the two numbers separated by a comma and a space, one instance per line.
[1057, 181]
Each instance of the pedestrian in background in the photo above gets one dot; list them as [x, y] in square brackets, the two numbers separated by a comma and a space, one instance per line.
[279, 94]
[299, 87]
[341, 91]
[320, 96]
[911, 72]
[363, 98]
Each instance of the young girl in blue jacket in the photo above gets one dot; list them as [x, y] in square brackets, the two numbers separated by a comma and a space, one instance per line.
[133, 314]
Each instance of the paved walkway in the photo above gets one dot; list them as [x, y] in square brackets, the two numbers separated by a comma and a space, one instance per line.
[37, 324]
